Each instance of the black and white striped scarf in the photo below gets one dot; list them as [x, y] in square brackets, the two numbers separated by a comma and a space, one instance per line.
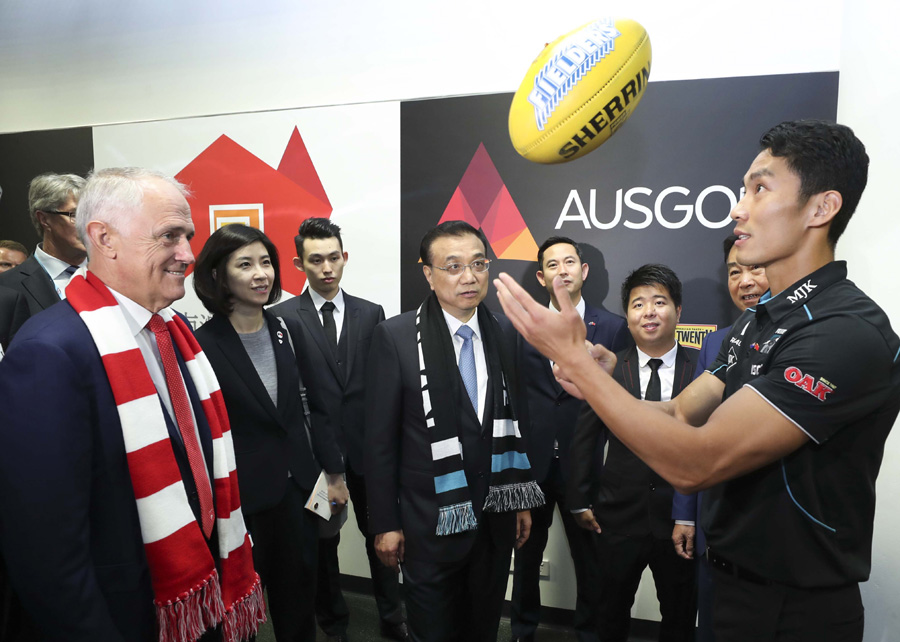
[512, 487]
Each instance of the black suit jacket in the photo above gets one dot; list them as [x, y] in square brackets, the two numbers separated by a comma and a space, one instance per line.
[269, 440]
[70, 532]
[399, 472]
[13, 313]
[36, 287]
[631, 498]
[552, 412]
[338, 385]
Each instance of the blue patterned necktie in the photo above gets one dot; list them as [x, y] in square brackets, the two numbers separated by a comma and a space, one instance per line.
[467, 364]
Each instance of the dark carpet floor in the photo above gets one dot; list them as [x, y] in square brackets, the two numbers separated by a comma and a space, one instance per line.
[364, 625]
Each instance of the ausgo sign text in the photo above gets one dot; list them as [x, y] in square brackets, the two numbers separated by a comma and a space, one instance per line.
[637, 208]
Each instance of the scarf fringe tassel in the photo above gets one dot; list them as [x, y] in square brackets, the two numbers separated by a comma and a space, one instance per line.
[186, 619]
[456, 518]
[246, 615]
[514, 497]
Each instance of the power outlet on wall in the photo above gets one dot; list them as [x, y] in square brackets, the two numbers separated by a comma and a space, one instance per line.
[545, 567]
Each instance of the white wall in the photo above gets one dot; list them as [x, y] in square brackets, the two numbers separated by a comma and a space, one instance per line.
[869, 92]
[98, 62]
[101, 61]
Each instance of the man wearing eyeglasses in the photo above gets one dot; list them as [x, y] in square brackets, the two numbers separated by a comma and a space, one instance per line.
[42, 278]
[449, 483]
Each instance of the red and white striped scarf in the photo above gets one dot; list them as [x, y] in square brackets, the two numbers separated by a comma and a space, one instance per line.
[189, 595]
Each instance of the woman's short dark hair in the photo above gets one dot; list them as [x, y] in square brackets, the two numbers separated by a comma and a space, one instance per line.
[211, 274]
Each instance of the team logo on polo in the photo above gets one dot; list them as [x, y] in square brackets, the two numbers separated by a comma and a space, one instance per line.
[818, 389]
[802, 291]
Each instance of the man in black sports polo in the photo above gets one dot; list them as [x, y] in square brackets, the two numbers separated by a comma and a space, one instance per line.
[791, 418]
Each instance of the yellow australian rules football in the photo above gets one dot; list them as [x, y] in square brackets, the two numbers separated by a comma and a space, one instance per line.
[580, 90]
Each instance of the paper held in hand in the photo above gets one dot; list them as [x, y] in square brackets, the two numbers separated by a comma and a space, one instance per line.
[318, 498]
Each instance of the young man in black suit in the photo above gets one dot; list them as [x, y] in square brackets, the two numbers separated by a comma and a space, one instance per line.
[337, 332]
[448, 478]
[633, 504]
[552, 413]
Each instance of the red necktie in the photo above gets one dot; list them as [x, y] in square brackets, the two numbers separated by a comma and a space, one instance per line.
[185, 421]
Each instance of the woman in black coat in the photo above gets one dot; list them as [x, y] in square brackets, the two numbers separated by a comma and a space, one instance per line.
[279, 455]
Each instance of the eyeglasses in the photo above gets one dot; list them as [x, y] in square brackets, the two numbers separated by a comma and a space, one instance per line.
[455, 269]
[71, 215]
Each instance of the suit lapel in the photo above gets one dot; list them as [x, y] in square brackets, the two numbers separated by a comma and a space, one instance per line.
[548, 373]
[39, 285]
[631, 376]
[591, 324]
[350, 334]
[310, 319]
[244, 370]
[286, 366]
[683, 371]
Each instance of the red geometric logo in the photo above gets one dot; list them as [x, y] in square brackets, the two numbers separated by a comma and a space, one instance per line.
[482, 200]
[231, 185]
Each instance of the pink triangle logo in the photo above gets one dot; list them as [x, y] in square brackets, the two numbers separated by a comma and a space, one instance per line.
[482, 200]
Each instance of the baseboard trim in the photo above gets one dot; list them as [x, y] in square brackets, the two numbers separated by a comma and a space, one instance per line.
[550, 616]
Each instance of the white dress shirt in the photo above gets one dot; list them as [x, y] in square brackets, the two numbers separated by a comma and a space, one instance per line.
[666, 372]
[137, 317]
[56, 270]
[338, 313]
[481, 371]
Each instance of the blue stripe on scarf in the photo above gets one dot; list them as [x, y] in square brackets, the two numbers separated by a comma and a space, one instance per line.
[509, 459]
[450, 481]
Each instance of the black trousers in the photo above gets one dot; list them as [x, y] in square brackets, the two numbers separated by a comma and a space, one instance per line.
[622, 560]
[460, 601]
[526, 594]
[331, 608]
[705, 631]
[285, 552]
[744, 610]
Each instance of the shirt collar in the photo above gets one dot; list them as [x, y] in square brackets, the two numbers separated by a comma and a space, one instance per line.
[802, 292]
[454, 324]
[136, 315]
[668, 358]
[53, 266]
[579, 307]
[318, 300]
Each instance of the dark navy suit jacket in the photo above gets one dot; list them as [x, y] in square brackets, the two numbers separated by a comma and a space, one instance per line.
[269, 439]
[337, 380]
[399, 470]
[632, 498]
[69, 531]
[552, 411]
[687, 507]
[37, 292]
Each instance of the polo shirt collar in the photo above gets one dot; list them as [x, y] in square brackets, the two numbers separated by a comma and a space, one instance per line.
[802, 292]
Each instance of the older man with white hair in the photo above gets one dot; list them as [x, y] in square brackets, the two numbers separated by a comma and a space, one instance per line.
[121, 514]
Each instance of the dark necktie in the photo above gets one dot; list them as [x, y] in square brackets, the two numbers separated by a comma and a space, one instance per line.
[72, 269]
[467, 364]
[654, 387]
[328, 322]
[182, 408]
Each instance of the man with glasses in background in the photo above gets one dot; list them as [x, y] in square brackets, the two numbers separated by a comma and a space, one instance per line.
[42, 278]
